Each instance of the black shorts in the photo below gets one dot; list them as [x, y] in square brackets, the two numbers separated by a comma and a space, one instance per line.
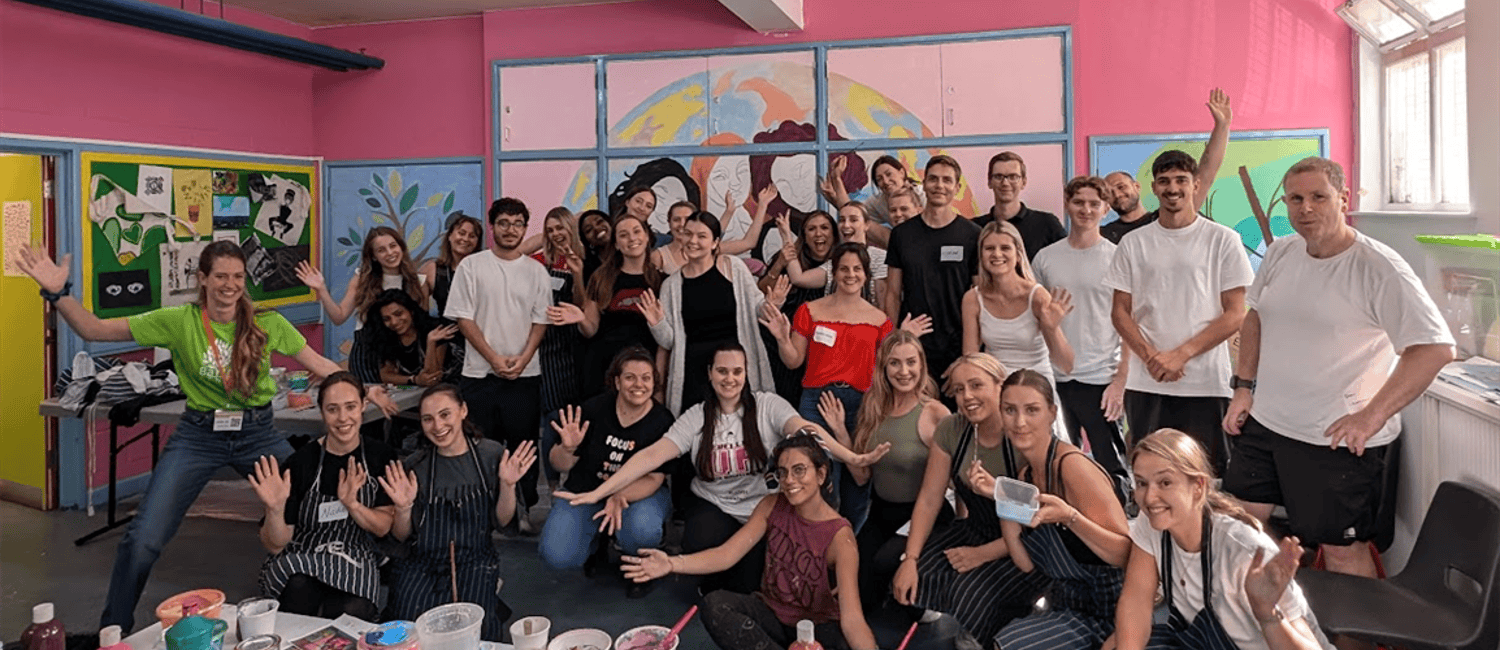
[1331, 495]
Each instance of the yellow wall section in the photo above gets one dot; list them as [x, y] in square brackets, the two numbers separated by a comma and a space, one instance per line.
[23, 433]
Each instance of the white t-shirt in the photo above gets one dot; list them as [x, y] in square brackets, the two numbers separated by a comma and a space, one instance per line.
[1234, 544]
[1096, 344]
[737, 486]
[1174, 277]
[504, 298]
[1330, 330]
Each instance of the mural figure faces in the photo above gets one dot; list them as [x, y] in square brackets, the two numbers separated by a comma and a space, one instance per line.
[792, 176]
[729, 174]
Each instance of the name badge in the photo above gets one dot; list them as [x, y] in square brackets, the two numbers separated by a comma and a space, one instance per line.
[557, 283]
[825, 335]
[228, 420]
[951, 254]
[332, 511]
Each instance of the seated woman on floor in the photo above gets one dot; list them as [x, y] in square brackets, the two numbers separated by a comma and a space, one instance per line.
[324, 511]
[411, 347]
[807, 543]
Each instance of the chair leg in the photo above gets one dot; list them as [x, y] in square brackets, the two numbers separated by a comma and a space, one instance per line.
[1319, 565]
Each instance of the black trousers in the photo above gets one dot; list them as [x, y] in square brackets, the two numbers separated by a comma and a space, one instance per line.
[309, 596]
[744, 622]
[1200, 417]
[706, 527]
[508, 411]
[1081, 412]
[880, 548]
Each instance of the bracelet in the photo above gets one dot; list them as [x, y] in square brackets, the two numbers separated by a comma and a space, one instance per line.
[52, 298]
[1071, 520]
[1276, 617]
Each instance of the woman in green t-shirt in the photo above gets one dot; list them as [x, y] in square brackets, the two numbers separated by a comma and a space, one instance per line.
[221, 346]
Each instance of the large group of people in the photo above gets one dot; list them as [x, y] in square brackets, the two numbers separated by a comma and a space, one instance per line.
[831, 431]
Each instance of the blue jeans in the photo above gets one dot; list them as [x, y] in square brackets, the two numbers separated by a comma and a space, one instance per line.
[570, 533]
[853, 499]
[193, 454]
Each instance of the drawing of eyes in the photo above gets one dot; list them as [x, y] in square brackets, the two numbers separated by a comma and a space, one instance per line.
[136, 287]
[114, 289]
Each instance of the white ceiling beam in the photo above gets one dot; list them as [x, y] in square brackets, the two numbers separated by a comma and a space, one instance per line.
[768, 16]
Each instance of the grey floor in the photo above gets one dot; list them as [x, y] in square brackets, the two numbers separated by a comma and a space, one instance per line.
[39, 562]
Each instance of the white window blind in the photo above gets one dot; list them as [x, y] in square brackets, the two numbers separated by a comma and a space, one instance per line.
[1452, 146]
[1409, 130]
[1426, 120]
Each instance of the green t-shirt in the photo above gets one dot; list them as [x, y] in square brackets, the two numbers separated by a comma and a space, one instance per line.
[947, 435]
[180, 329]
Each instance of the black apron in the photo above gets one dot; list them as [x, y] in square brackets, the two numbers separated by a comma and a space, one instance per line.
[1205, 632]
[338, 553]
[424, 578]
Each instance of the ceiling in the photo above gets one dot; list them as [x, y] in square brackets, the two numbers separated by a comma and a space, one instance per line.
[318, 13]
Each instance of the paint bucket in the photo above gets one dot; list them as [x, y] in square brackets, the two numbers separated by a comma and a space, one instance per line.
[454, 626]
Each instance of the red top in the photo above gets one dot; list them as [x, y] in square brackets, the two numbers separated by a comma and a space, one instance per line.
[795, 582]
[541, 256]
[839, 351]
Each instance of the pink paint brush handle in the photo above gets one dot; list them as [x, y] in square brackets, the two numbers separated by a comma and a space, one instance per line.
[666, 641]
[910, 631]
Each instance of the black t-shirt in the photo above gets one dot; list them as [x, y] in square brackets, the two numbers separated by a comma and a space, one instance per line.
[607, 445]
[621, 320]
[1116, 230]
[1038, 229]
[937, 266]
[708, 308]
[303, 465]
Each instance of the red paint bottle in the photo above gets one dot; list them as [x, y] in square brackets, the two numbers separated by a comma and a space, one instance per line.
[45, 631]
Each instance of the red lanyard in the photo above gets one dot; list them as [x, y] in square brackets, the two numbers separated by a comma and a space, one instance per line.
[213, 352]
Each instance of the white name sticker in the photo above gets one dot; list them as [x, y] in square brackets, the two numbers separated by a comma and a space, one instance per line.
[332, 511]
[229, 420]
[557, 283]
[825, 335]
[951, 254]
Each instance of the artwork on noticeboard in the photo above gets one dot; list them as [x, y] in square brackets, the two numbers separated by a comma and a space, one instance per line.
[281, 270]
[231, 206]
[226, 181]
[119, 289]
[179, 272]
[284, 207]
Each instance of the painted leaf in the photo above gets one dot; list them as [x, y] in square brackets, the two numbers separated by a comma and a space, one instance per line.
[351, 260]
[365, 191]
[409, 198]
[373, 203]
[355, 238]
[434, 199]
[395, 182]
[448, 203]
[361, 222]
[414, 238]
[340, 253]
[375, 178]
[345, 241]
[378, 218]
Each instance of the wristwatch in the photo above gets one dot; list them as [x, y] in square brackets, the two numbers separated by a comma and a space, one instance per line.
[54, 297]
[1237, 382]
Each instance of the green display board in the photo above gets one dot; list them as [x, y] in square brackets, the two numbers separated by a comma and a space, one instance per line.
[147, 218]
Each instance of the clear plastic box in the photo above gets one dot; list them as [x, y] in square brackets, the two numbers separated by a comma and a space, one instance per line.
[1462, 275]
[1015, 500]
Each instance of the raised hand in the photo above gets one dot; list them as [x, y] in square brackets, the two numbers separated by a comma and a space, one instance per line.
[1264, 583]
[825, 187]
[565, 313]
[775, 321]
[1218, 106]
[574, 262]
[442, 333]
[400, 485]
[351, 479]
[1060, 306]
[513, 466]
[870, 457]
[651, 308]
[613, 513]
[837, 166]
[649, 565]
[766, 195]
[777, 295]
[311, 276]
[48, 275]
[832, 410]
[272, 484]
[571, 427]
[918, 324]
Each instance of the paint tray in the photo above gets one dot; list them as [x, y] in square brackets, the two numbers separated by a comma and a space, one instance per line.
[1015, 500]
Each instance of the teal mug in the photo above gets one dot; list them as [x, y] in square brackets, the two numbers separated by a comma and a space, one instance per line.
[197, 633]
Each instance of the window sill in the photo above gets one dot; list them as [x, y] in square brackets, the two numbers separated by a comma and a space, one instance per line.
[1412, 214]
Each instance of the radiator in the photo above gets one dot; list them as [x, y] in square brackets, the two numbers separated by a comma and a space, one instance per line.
[1448, 434]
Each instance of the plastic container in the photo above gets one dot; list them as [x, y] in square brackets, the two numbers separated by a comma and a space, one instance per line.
[203, 602]
[805, 639]
[45, 631]
[257, 617]
[1015, 500]
[454, 626]
[262, 642]
[530, 633]
[110, 639]
[645, 637]
[1463, 277]
[197, 633]
[584, 639]
[395, 635]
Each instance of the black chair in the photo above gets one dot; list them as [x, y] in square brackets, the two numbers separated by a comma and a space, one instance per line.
[1447, 597]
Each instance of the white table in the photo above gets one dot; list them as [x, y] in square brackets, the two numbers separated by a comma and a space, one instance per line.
[289, 627]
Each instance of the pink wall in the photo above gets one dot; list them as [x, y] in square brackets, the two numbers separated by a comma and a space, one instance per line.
[431, 99]
[65, 75]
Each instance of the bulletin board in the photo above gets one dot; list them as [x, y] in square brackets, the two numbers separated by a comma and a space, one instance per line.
[146, 219]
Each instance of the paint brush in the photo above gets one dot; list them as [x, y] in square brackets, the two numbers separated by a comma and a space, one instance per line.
[666, 641]
[907, 639]
[453, 568]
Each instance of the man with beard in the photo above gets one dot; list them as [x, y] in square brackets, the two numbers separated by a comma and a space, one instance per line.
[1126, 192]
[500, 302]
[1179, 293]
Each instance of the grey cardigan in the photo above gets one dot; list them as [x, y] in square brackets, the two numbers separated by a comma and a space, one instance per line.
[747, 302]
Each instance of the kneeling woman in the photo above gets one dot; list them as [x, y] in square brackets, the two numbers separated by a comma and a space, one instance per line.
[798, 526]
[456, 491]
[324, 511]
[1078, 537]
[1191, 530]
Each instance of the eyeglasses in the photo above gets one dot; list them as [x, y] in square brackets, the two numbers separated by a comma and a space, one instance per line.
[798, 471]
[1008, 178]
[510, 225]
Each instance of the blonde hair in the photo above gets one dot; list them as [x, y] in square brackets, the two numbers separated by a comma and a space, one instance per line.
[552, 253]
[881, 398]
[1185, 455]
[987, 280]
[985, 363]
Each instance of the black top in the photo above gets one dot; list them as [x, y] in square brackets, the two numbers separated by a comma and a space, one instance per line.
[303, 465]
[621, 319]
[607, 445]
[937, 266]
[1116, 230]
[711, 315]
[1038, 229]
[442, 282]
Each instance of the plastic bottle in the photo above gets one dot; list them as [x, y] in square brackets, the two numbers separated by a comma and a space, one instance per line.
[45, 631]
[805, 637]
[109, 639]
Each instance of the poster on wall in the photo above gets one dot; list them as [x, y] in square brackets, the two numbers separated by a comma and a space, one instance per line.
[147, 220]
[415, 201]
[1264, 156]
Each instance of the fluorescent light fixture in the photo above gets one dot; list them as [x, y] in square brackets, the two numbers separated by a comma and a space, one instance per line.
[1378, 22]
[170, 20]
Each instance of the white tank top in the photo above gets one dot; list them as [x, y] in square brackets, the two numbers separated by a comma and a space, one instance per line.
[1017, 343]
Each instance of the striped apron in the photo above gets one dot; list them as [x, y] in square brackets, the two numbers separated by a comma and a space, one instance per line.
[1205, 632]
[424, 578]
[338, 553]
[989, 596]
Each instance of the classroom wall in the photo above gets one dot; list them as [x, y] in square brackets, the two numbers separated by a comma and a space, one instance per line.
[63, 75]
[24, 445]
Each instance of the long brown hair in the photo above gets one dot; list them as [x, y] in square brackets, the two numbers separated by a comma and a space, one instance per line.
[1185, 455]
[446, 257]
[551, 253]
[755, 448]
[601, 287]
[371, 275]
[881, 398]
[247, 354]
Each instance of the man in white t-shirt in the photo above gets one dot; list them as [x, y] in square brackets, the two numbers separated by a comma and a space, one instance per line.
[1179, 288]
[500, 299]
[1330, 313]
